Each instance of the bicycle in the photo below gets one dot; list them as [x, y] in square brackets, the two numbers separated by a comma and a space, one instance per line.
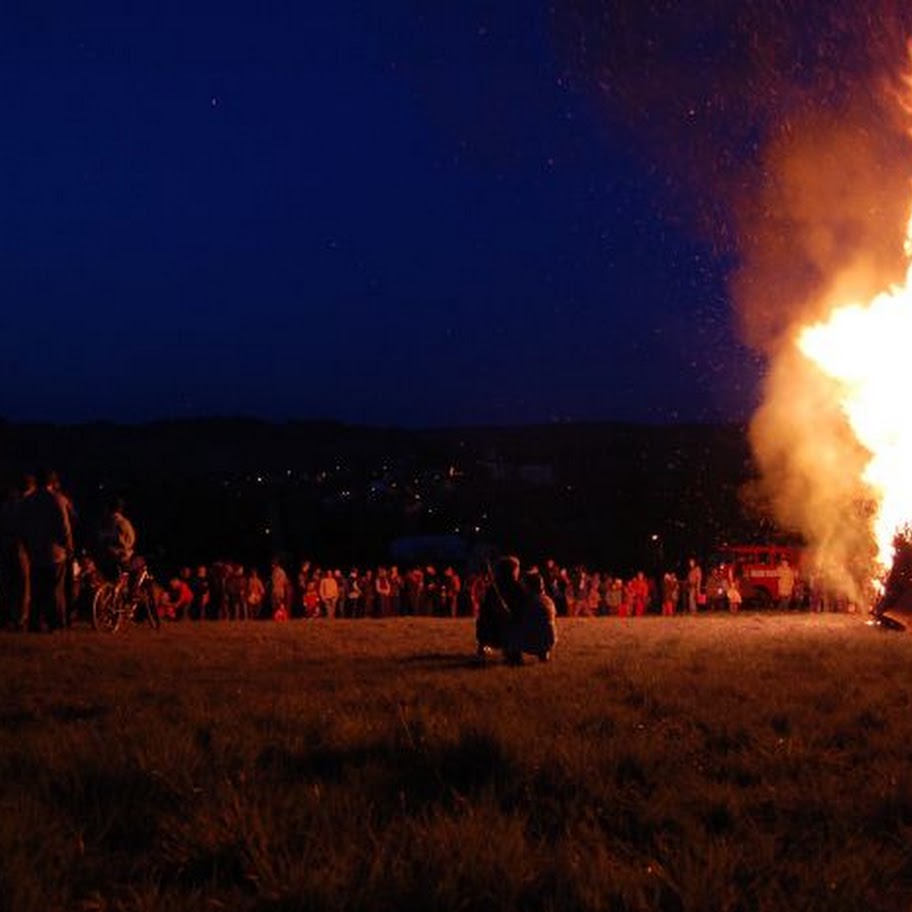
[129, 598]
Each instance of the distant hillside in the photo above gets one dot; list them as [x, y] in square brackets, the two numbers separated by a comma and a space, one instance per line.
[613, 494]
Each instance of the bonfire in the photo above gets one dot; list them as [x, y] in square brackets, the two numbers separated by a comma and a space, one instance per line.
[897, 588]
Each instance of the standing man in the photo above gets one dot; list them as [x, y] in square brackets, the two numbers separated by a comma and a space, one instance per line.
[785, 583]
[280, 593]
[70, 581]
[48, 540]
[694, 585]
[14, 571]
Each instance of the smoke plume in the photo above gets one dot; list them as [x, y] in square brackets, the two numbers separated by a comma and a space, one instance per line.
[783, 131]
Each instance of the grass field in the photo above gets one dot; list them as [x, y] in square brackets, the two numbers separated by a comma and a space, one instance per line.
[757, 762]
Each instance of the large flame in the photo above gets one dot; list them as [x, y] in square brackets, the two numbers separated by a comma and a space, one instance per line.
[790, 140]
[865, 349]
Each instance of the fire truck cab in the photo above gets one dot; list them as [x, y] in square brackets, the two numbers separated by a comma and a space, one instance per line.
[756, 568]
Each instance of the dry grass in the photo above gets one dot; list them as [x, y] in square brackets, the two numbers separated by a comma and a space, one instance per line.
[712, 763]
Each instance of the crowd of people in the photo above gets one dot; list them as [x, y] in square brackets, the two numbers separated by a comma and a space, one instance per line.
[45, 584]
[42, 583]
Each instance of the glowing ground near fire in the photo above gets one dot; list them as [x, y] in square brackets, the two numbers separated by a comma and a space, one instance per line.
[758, 761]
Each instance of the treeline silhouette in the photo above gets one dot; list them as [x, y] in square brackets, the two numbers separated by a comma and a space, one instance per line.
[613, 495]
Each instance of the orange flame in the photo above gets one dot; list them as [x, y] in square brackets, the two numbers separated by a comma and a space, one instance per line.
[865, 349]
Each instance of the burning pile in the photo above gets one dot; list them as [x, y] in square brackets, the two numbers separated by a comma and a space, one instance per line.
[785, 130]
[863, 351]
[897, 589]
[833, 436]
[838, 408]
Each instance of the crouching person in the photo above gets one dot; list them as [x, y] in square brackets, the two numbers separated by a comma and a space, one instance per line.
[499, 614]
[538, 627]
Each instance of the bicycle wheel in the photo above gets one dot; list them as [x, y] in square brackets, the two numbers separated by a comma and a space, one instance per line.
[151, 607]
[106, 616]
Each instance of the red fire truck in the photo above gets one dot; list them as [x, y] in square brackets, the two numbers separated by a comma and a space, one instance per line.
[756, 567]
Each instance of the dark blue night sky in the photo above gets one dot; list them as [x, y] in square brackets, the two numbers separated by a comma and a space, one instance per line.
[385, 213]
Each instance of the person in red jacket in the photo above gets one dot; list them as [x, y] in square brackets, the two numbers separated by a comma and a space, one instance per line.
[639, 594]
[311, 600]
[180, 598]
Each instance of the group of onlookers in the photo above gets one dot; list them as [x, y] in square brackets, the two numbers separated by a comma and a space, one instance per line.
[33, 598]
[44, 585]
[230, 591]
[516, 616]
[41, 582]
[513, 615]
